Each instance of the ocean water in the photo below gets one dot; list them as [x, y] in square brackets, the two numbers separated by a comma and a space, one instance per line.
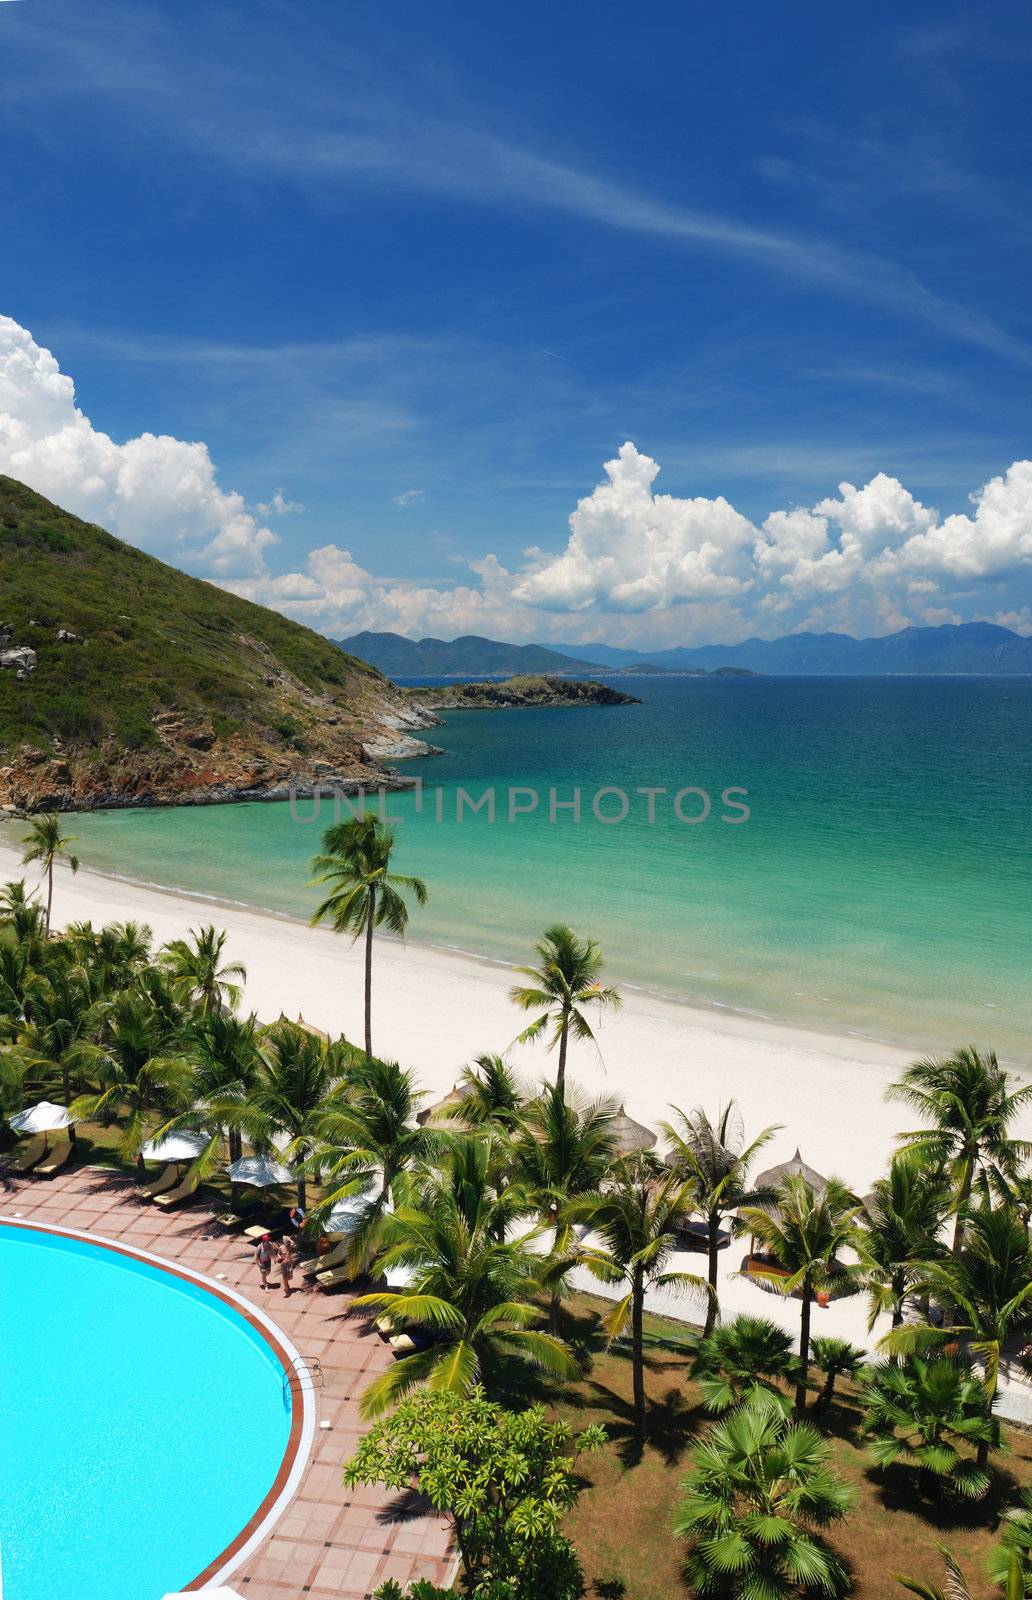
[882, 882]
[142, 1425]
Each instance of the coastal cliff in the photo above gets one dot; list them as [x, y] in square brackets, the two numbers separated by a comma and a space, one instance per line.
[520, 691]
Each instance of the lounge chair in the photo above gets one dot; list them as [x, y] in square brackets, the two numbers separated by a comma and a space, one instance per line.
[182, 1191]
[332, 1258]
[402, 1344]
[330, 1278]
[164, 1180]
[30, 1156]
[54, 1161]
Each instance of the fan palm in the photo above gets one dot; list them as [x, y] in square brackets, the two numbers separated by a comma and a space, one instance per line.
[144, 1075]
[987, 1290]
[740, 1358]
[717, 1159]
[561, 987]
[638, 1215]
[1010, 1562]
[921, 1411]
[286, 1104]
[355, 859]
[804, 1231]
[755, 1504]
[837, 1358]
[560, 1153]
[905, 1214]
[473, 1289]
[46, 844]
[968, 1105]
[196, 963]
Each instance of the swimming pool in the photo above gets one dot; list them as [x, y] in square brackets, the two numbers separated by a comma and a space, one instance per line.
[144, 1422]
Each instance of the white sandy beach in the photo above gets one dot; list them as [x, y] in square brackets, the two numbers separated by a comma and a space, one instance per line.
[434, 1011]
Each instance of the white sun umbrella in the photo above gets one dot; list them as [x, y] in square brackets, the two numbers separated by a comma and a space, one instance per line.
[42, 1118]
[346, 1214]
[175, 1147]
[261, 1172]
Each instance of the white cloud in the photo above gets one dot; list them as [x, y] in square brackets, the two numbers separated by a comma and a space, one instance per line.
[408, 497]
[158, 491]
[279, 506]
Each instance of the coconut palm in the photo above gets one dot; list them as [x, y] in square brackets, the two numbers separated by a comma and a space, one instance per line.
[287, 1103]
[922, 1411]
[968, 1105]
[561, 987]
[987, 1292]
[805, 1231]
[473, 1289]
[717, 1159]
[369, 1129]
[492, 1095]
[741, 1358]
[755, 1506]
[112, 957]
[905, 1215]
[561, 1153]
[225, 1055]
[46, 844]
[355, 859]
[63, 1022]
[638, 1216]
[1010, 1562]
[837, 1358]
[197, 965]
[144, 1075]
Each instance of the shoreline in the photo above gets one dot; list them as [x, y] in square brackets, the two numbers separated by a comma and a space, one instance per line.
[435, 1008]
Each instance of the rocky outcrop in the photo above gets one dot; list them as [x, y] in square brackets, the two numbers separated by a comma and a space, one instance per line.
[516, 692]
[20, 660]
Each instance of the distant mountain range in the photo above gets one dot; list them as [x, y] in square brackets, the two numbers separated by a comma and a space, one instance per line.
[967, 647]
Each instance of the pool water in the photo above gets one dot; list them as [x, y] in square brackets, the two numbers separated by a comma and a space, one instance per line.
[142, 1423]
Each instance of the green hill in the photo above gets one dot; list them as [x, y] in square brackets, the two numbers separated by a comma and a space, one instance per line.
[171, 688]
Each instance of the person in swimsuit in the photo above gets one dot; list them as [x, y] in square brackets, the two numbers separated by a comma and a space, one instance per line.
[263, 1256]
[287, 1261]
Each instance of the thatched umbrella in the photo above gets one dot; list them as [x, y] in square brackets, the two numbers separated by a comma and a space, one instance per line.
[447, 1104]
[795, 1168]
[631, 1137]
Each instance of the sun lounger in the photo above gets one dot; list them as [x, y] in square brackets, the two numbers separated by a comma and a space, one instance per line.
[54, 1161]
[402, 1344]
[332, 1258]
[158, 1185]
[29, 1157]
[330, 1279]
[182, 1191]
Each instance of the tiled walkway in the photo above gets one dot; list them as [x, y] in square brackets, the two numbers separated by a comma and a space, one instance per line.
[329, 1541]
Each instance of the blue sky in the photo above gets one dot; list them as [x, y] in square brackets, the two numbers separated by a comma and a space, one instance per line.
[422, 270]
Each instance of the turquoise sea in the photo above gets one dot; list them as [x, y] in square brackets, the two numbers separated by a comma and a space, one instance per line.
[882, 882]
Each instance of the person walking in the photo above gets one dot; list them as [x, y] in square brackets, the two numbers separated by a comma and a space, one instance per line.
[263, 1256]
[287, 1261]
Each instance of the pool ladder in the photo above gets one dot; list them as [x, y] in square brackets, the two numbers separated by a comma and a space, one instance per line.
[304, 1367]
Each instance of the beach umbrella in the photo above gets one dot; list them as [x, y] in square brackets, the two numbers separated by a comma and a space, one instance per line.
[446, 1105]
[631, 1137]
[346, 1214]
[795, 1168]
[43, 1118]
[261, 1172]
[175, 1147]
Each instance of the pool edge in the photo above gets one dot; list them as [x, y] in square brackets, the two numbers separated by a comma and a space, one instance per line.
[302, 1414]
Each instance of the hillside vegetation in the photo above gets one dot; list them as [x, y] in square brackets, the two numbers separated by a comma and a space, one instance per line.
[168, 681]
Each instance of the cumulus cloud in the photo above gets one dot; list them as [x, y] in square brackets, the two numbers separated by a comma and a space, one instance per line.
[279, 506]
[158, 491]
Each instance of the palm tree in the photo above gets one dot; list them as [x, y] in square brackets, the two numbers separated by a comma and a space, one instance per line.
[63, 1022]
[292, 1092]
[46, 844]
[740, 1358]
[805, 1231]
[987, 1290]
[968, 1106]
[370, 1126]
[473, 1288]
[905, 1214]
[837, 1358]
[492, 1095]
[197, 965]
[920, 1411]
[1011, 1582]
[717, 1159]
[144, 1075]
[112, 958]
[1010, 1562]
[225, 1057]
[755, 1504]
[638, 1216]
[561, 1153]
[564, 983]
[355, 859]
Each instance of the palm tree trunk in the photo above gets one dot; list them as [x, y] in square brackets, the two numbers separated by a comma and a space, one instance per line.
[560, 1075]
[370, 914]
[804, 1351]
[963, 1197]
[302, 1193]
[66, 1084]
[141, 1167]
[553, 1314]
[711, 1309]
[50, 892]
[638, 1354]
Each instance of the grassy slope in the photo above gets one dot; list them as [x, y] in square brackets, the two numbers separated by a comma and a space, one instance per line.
[157, 638]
